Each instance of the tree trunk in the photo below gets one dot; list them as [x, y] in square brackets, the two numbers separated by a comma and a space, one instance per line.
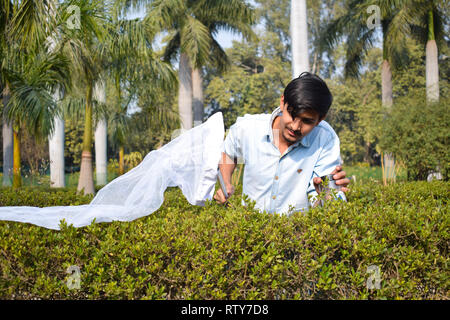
[17, 178]
[7, 132]
[432, 65]
[86, 180]
[56, 140]
[101, 161]
[121, 160]
[299, 37]
[56, 154]
[314, 66]
[101, 140]
[197, 93]
[386, 84]
[387, 100]
[367, 157]
[185, 92]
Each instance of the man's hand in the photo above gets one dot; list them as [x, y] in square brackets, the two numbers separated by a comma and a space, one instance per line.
[220, 197]
[338, 176]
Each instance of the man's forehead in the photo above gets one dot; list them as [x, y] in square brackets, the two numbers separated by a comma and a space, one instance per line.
[307, 114]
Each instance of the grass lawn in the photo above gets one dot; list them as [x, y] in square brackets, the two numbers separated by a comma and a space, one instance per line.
[364, 174]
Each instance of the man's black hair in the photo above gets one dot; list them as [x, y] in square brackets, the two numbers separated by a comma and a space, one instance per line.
[307, 92]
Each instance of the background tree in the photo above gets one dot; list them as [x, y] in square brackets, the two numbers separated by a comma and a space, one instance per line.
[299, 38]
[191, 27]
[253, 84]
[424, 20]
[84, 46]
[360, 33]
[28, 69]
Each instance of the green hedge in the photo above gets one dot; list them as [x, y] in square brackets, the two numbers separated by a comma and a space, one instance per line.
[41, 197]
[188, 252]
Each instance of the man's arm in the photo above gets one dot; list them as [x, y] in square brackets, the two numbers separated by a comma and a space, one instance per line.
[226, 167]
[232, 151]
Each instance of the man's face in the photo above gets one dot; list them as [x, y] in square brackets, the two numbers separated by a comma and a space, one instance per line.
[293, 130]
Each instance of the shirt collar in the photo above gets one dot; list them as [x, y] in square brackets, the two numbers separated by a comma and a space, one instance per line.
[276, 113]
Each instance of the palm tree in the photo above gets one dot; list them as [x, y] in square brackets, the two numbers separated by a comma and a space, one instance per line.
[31, 106]
[191, 27]
[119, 50]
[85, 49]
[299, 37]
[359, 38]
[131, 61]
[423, 20]
[27, 70]
[56, 142]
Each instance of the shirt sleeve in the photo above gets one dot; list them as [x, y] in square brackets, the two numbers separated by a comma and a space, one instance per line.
[233, 143]
[329, 158]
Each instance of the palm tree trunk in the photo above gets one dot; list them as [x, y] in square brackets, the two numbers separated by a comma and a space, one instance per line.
[386, 84]
[86, 180]
[7, 133]
[101, 162]
[299, 37]
[387, 100]
[197, 93]
[314, 66]
[56, 154]
[101, 139]
[185, 92]
[121, 160]
[56, 140]
[17, 178]
[432, 65]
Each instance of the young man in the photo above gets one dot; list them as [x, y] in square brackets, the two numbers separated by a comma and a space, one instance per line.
[287, 152]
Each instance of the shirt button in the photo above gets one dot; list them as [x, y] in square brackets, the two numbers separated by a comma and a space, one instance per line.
[274, 197]
[276, 177]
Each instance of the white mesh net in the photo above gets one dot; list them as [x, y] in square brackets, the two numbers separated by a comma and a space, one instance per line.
[190, 162]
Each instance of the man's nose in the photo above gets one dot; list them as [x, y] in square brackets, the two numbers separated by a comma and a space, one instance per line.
[296, 125]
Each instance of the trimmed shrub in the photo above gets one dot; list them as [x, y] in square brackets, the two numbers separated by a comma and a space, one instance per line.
[190, 252]
[41, 197]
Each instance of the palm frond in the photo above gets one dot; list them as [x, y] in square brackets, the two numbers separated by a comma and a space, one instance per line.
[32, 22]
[164, 14]
[195, 41]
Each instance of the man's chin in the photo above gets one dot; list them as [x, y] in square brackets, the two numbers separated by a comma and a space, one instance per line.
[291, 139]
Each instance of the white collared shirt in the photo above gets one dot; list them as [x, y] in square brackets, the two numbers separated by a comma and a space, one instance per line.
[275, 181]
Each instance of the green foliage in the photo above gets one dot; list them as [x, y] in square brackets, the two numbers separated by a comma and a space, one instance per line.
[189, 252]
[41, 197]
[132, 160]
[253, 84]
[418, 133]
